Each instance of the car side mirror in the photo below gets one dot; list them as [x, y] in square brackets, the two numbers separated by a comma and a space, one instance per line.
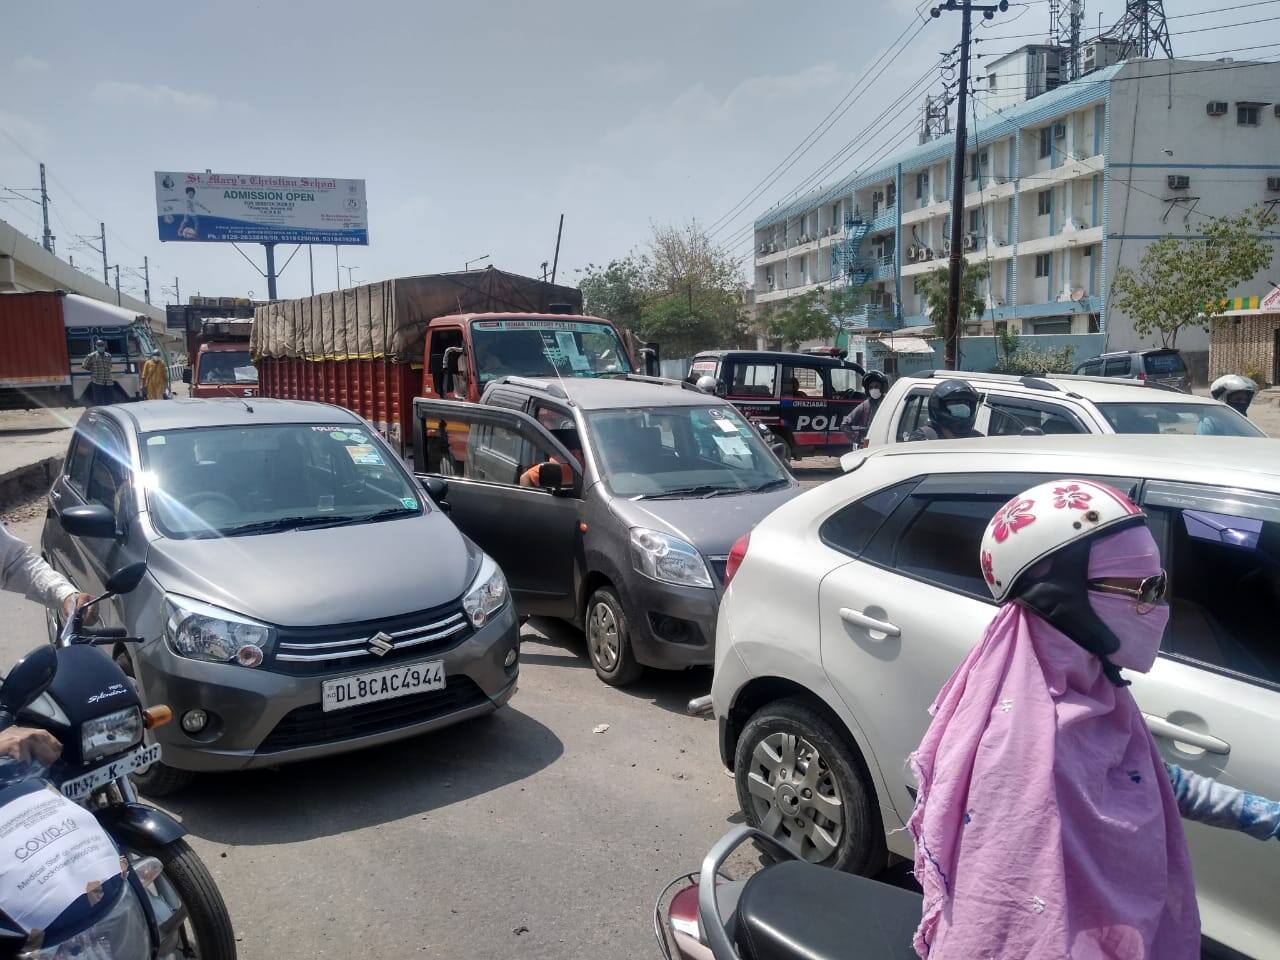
[126, 579]
[438, 491]
[90, 520]
[451, 370]
[1031, 432]
[649, 360]
[186, 374]
[27, 680]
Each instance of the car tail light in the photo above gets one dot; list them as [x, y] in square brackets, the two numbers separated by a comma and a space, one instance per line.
[737, 554]
[1141, 375]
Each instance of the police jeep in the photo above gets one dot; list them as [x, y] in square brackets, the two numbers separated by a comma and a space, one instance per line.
[800, 397]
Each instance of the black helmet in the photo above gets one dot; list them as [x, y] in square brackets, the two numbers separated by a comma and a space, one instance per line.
[875, 378]
[953, 406]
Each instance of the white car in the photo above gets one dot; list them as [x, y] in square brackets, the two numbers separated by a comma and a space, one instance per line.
[1058, 404]
[848, 608]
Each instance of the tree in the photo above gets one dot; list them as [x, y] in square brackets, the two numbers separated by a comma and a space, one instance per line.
[806, 317]
[615, 292]
[1181, 281]
[934, 288]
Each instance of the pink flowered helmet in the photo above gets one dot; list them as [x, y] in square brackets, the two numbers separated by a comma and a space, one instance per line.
[1040, 521]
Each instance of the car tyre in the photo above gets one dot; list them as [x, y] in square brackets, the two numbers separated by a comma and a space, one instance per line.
[159, 779]
[801, 781]
[609, 639]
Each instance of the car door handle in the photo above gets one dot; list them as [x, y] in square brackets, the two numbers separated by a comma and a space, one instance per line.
[55, 495]
[1161, 727]
[869, 623]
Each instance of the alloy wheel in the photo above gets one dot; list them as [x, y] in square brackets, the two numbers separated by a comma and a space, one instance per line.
[795, 796]
[602, 636]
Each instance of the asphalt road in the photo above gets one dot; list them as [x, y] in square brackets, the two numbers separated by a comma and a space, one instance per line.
[447, 845]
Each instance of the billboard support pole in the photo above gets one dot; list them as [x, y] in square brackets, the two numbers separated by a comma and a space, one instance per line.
[271, 270]
[312, 264]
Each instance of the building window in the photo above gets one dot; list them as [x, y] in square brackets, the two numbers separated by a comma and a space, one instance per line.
[768, 278]
[1088, 252]
[890, 195]
[922, 185]
[977, 165]
[991, 81]
[975, 220]
[804, 275]
[1042, 264]
[835, 216]
[1044, 202]
[1046, 141]
[1246, 114]
[1042, 327]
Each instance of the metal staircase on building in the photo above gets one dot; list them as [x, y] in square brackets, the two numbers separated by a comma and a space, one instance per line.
[844, 255]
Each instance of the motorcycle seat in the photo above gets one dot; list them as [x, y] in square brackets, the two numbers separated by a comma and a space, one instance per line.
[799, 911]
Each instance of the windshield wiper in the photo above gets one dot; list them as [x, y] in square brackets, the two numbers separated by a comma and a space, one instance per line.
[704, 489]
[315, 522]
[770, 484]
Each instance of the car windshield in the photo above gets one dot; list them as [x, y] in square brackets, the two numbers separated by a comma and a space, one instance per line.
[1183, 418]
[681, 451]
[233, 481]
[547, 348]
[227, 366]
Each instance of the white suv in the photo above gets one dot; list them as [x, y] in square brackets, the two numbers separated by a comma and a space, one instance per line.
[848, 607]
[1059, 404]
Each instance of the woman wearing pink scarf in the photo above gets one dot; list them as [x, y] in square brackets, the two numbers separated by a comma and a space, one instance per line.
[1046, 824]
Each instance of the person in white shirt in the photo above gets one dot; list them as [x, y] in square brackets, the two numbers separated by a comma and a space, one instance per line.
[22, 570]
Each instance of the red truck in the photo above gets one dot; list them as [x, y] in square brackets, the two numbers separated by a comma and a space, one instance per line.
[375, 347]
[220, 365]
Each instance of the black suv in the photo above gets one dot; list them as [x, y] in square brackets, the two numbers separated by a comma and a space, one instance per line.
[801, 397]
[1163, 366]
[612, 503]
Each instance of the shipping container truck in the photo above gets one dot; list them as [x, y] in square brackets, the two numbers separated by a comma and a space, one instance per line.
[44, 337]
[375, 347]
[189, 317]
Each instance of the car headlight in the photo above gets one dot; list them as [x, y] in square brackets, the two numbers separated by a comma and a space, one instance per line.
[202, 631]
[487, 595]
[110, 734]
[669, 559]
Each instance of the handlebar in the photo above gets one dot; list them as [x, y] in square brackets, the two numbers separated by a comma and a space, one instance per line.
[105, 633]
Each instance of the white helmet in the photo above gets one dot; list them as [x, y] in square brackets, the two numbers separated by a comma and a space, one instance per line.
[1231, 383]
[1040, 521]
[707, 383]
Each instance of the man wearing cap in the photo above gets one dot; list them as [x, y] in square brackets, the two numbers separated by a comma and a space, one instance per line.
[98, 363]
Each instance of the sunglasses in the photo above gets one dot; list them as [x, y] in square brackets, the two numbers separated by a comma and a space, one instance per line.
[1148, 591]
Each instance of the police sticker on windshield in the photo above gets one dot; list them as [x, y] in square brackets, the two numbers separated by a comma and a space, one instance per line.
[340, 436]
[364, 454]
[409, 503]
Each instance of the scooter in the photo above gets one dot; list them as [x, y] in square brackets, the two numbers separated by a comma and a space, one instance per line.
[790, 910]
[93, 709]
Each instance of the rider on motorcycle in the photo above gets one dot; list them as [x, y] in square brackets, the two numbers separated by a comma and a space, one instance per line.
[855, 425]
[1046, 824]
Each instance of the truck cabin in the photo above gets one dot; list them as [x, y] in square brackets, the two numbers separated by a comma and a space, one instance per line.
[223, 363]
[128, 339]
[466, 352]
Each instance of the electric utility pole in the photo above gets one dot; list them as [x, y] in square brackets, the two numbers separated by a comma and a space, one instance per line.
[102, 235]
[117, 270]
[951, 319]
[146, 279]
[44, 207]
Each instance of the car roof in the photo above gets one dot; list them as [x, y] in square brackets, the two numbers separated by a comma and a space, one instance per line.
[179, 414]
[1093, 389]
[1216, 461]
[1131, 353]
[778, 356]
[611, 393]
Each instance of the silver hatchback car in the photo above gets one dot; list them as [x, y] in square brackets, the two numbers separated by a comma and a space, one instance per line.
[303, 596]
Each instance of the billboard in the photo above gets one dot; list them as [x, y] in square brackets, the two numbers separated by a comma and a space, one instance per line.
[225, 207]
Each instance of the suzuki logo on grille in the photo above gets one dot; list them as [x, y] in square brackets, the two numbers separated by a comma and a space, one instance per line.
[380, 644]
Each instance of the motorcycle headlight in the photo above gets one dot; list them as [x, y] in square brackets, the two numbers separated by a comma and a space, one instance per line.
[108, 735]
[122, 932]
[487, 594]
[669, 559]
[202, 631]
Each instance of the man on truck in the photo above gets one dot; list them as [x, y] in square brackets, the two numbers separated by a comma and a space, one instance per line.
[98, 363]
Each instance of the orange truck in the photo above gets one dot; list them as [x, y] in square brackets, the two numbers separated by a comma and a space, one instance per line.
[220, 365]
[375, 347]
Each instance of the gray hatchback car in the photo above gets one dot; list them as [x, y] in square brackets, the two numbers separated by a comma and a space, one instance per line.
[303, 597]
[612, 503]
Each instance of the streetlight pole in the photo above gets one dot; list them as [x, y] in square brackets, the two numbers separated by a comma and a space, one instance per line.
[350, 270]
[951, 319]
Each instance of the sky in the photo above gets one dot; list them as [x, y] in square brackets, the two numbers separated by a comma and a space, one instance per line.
[475, 125]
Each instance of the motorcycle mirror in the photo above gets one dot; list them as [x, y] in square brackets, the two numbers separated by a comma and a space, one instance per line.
[29, 678]
[126, 579]
[551, 476]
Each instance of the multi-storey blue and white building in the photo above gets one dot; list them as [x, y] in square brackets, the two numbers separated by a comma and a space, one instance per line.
[1063, 185]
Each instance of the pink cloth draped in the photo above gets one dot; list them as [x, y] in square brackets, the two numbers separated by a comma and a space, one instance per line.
[1045, 825]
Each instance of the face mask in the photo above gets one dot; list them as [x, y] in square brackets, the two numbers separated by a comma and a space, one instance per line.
[874, 393]
[961, 411]
[1139, 633]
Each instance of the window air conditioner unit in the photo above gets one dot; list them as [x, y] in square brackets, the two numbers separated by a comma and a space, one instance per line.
[764, 247]
[1273, 184]
[1059, 131]
[1216, 108]
[946, 248]
[1178, 181]
[970, 241]
[927, 253]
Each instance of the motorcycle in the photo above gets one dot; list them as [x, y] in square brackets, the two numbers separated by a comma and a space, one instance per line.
[790, 910]
[93, 709]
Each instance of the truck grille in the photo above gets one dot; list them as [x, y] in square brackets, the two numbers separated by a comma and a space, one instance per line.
[314, 650]
[310, 725]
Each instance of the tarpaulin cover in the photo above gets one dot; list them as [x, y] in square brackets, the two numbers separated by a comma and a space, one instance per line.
[389, 318]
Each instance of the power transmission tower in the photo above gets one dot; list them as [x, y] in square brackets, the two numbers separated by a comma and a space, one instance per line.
[936, 121]
[951, 320]
[1066, 19]
[1143, 29]
[146, 279]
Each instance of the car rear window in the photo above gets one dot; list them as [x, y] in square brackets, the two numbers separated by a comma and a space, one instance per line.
[1204, 419]
[1170, 362]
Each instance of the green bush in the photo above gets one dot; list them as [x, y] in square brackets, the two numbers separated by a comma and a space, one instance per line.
[1022, 361]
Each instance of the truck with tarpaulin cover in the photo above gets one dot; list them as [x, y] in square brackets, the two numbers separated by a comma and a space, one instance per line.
[375, 347]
